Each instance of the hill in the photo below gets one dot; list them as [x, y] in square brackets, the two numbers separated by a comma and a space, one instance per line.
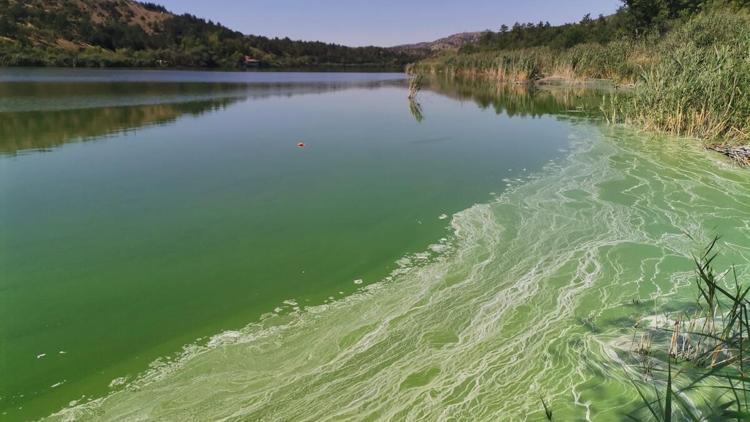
[451, 42]
[98, 33]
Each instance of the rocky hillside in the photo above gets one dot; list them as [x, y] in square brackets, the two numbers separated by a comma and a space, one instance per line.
[147, 16]
[69, 23]
[452, 42]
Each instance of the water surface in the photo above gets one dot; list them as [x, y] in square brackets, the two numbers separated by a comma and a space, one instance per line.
[456, 258]
[143, 213]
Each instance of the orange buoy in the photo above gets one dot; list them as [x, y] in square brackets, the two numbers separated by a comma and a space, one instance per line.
[301, 144]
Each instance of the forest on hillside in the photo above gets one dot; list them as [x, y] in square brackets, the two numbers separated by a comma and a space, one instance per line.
[115, 33]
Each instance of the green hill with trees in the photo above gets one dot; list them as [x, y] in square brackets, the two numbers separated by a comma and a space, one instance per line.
[105, 33]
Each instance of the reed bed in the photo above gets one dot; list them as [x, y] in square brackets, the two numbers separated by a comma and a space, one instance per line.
[700, 86]
[579, 63]
[694, 81]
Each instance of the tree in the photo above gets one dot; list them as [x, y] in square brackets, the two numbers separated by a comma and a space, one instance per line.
[656, 14]
[7, 26]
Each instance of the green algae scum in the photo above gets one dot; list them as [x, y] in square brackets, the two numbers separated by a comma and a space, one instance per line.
[169, 253]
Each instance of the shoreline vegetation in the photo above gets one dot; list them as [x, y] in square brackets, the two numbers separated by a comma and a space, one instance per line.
[685, 64]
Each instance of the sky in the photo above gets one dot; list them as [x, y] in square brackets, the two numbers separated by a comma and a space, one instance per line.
[382, 22]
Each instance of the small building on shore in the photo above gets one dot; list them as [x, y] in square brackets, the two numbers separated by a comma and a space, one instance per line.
[249, 61]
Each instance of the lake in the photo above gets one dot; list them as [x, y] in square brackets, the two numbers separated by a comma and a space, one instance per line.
[312, 246]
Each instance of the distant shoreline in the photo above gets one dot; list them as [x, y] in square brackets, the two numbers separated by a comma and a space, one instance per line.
[332, 69]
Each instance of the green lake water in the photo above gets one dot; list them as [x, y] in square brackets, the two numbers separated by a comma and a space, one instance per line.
[169, 252]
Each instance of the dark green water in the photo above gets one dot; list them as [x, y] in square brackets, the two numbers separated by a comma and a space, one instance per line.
[140, 216]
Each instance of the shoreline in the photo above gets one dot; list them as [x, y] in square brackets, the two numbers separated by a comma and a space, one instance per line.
[737, 153]
[740, 154]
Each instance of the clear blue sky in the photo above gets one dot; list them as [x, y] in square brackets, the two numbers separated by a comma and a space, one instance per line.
[382, 22]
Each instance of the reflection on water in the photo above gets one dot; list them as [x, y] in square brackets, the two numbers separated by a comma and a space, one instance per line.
[39, 130]
[37, 116]
[37, 74]
[38, 96]
[524, 100]
[416, 110]
[518, 100]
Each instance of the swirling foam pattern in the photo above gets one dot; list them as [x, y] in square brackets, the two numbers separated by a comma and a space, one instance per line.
[525, 303]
